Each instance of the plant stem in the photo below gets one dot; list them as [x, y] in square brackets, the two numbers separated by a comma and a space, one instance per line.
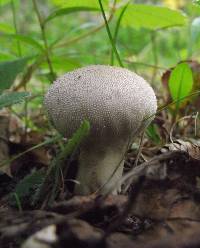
[145, 65]
[110, 35]
[46, 142]
[15, 26]
[195, 93]
[20, 55]
[117, 31]
[18, 202]
[155, 57]
[28, 74]
[78, 38]
[42, 27]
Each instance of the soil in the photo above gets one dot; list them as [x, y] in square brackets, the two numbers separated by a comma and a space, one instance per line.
[160, 209]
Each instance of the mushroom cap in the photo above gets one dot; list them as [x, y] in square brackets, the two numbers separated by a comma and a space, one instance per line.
[114, 100]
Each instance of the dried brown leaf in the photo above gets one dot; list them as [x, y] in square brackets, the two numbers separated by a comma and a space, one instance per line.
[189, 147]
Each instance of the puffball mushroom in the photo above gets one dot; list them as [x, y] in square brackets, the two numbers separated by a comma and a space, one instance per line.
[117, 104]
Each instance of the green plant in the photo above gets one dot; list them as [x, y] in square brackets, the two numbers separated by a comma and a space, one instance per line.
[8, 73]
[180, 83]
[51, 184]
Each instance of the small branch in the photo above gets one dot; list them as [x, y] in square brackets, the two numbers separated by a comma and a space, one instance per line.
[42, 27]
[192, 116]
[153, 164]
[136, 159]
[110, 35]
[140, 148]
[140, 173]
[132, 199]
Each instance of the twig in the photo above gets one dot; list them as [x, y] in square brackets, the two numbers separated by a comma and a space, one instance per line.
[140, 148]
[144, 168]
[47, 142]
[179, 120]
[195, 123]
[140, 173]
[132, 198]
[137, 159]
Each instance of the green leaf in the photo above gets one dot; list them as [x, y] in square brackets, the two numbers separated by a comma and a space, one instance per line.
[196, 2]
[11, 98]
[26, 39]
[153, 134]
[151, 17]
[193, 9]
[9, 70]
[180, 81]
[5, 27]
[29, 182]
[27, 186]
[52, 180]
[6, 56]
[75, 140]
[78, 3]
[66, 11]
[3, 2]
[62, 64]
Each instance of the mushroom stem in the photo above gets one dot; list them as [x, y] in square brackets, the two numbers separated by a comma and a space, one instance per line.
[96, 170]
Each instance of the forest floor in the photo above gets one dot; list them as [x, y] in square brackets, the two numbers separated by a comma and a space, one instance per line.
[161, 208]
